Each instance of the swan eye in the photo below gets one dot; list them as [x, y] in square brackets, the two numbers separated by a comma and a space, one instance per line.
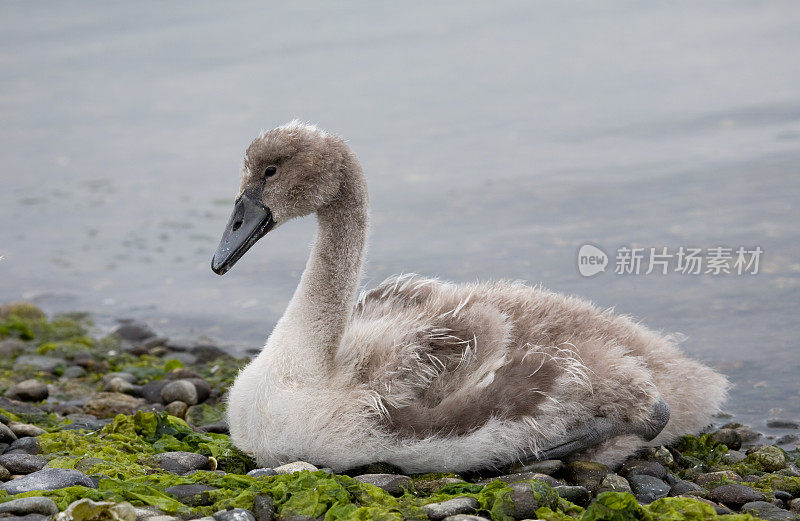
[271, 171]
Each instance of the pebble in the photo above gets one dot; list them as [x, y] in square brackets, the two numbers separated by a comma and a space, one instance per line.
[38, 362]
[711, 477]
[133, 330]
[295, 466]
[748, 436]
[217, 428]
[451, 507]
[194, 495]
[575, 493]
[728, 437]
[588, 474]
[179, 391]
[547, 466]
[5, 475]
[783, 424]
[28, 391]
[767, 511]
[177, 409]
[22, 430]
[207, 353]
[735, 496]
[531, 496]
[22, 463]
[794, 506]
[146, 512]
[87, 422]
[118, 385]
[29, 505]
[733, 457]
[770, 458]
[391, 483]
[128, 377]
[234, 514]
[523, 476]
[6, 434]
[10, 347]
[48, 479]
[683, 487]
[108, 405]
[643, 467]
[72, 372]
[184, 358]
[262, 472]
[782, 495]
[151, 391]
[648, 488]
[182, 462]
[614, 482]
[202, 388]
[465, 517]
[264, 508]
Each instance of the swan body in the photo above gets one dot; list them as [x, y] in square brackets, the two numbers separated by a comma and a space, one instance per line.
[431, 375]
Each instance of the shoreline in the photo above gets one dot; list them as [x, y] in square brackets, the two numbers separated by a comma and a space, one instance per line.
[137, 421]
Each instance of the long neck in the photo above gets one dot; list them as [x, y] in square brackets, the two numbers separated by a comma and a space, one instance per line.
[311, 329]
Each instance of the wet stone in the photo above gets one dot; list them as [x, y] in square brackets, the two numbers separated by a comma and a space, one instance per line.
[735, 496]
[10, 347]
[118, 385]
[194, 495]
[465, 517]
[295, 466]
[767, 511]
[643, 467]
[5, 475]
[782, 495]
[391, 483]
[683, 487]
[459, 505]
[614, 482]
[182, 462]
[133, 330]
[6, 434]
[87, 422]
[235, 514]
[548, 466]
[263, 508]
[648, 488]
[48, 479]
[783, 424]
[151, 391]
[47, 364]
[29, 505]
[179, 391]
[522, 477]
[588, 474]
[108, 405]
[531, 496]
[748, 436]
[22, 463]
[23, 430]
[29, 391]
[728, 437]
[771, 459]
[711, 477]
[256, 473]
[574, 493]
[177, 409]
[72, 372]
[733, 457]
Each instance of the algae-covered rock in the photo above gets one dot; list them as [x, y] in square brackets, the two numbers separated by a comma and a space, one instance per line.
[88, 510]
[768, 458]
[25, 310]
[788, 484]
[616, 506]
[768, 511]
[530, 496]
[588, 474]
[391, 483]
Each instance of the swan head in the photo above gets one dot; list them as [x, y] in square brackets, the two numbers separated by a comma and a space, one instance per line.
[288, 172]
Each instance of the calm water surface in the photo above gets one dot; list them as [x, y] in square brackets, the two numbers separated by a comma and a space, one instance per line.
[496, 143]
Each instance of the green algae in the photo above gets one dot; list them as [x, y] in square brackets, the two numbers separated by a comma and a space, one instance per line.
[622, 506]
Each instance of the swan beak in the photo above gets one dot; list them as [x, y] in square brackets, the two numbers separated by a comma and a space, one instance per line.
[249, 222]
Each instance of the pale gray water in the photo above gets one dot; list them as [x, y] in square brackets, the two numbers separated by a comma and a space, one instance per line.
[496, 142]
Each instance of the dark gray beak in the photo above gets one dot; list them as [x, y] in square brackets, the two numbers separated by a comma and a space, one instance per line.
[249, 222]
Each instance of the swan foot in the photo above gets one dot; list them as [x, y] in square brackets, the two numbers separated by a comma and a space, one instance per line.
[600, 429]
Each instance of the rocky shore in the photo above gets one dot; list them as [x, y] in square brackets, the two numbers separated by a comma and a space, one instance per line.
[131, 427]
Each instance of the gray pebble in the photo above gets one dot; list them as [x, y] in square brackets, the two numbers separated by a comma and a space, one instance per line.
[465, 517]
[783, 424]
[39, 362]
[729, 437]
[782, 495]
[451, 507]
[28, 517]
[735, 496]
[128, 377]
[207, 352]
[588, 474]
[10, 347]
[647, 488]
[29, 505]
[683, 487]
[523, 477]
[295, 466]
[614, 482]
[5, 475]
[22, 463]
[151, 391]
[391, 483]
[177, 409]
[547, 466]
[767, 511]
[48, 479]
[531, 496]
[22, 430]
[73, 371]
[118, 385]
[182, 462]
[733, 457]
[575, 493]
[29, 391]
[133, 330]
[262, 472]
[710, 477]
[179, 391]
[264, 508]
[194, 495]
[643, 467]
[6, 434]
[235, 514]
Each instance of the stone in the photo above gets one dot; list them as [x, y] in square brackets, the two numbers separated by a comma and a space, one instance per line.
[587, 474]
[182, 462]
[73, 371]
[648, 488]
[11, 347]
[48, 479]
[118, 385]
[220, 427]
[179, 391]
[177, 409]
[234, 514]
[22, 463]
[151, 391]
[206, 352]
[29, 505]
[767, 511]
[728, 437]
[182, 373]
[771, 459]
[711, 477]
[547, 466]
[108, 405]
[574, 493]
[782, 495]
[465, 517]
[794, 506]
[391, 483]
[87, 422]
[22, 430]
[614, 482]
[193, 495]
[748, 436]
[263, 508]
[47, 364]
[531, 496]
[732, 457]
[523, 476]
[451, 507]
[28, 391]
[643, 467]
[5, 475]
[257, 473]
[686, 488]
[145, 512]
[295, 466]
[6, 434]
[184, 358]
[783, 424]
[127, 377]
[202, 388]
[735, 496]
[21, 309]
[87, 510]
[133, 330]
